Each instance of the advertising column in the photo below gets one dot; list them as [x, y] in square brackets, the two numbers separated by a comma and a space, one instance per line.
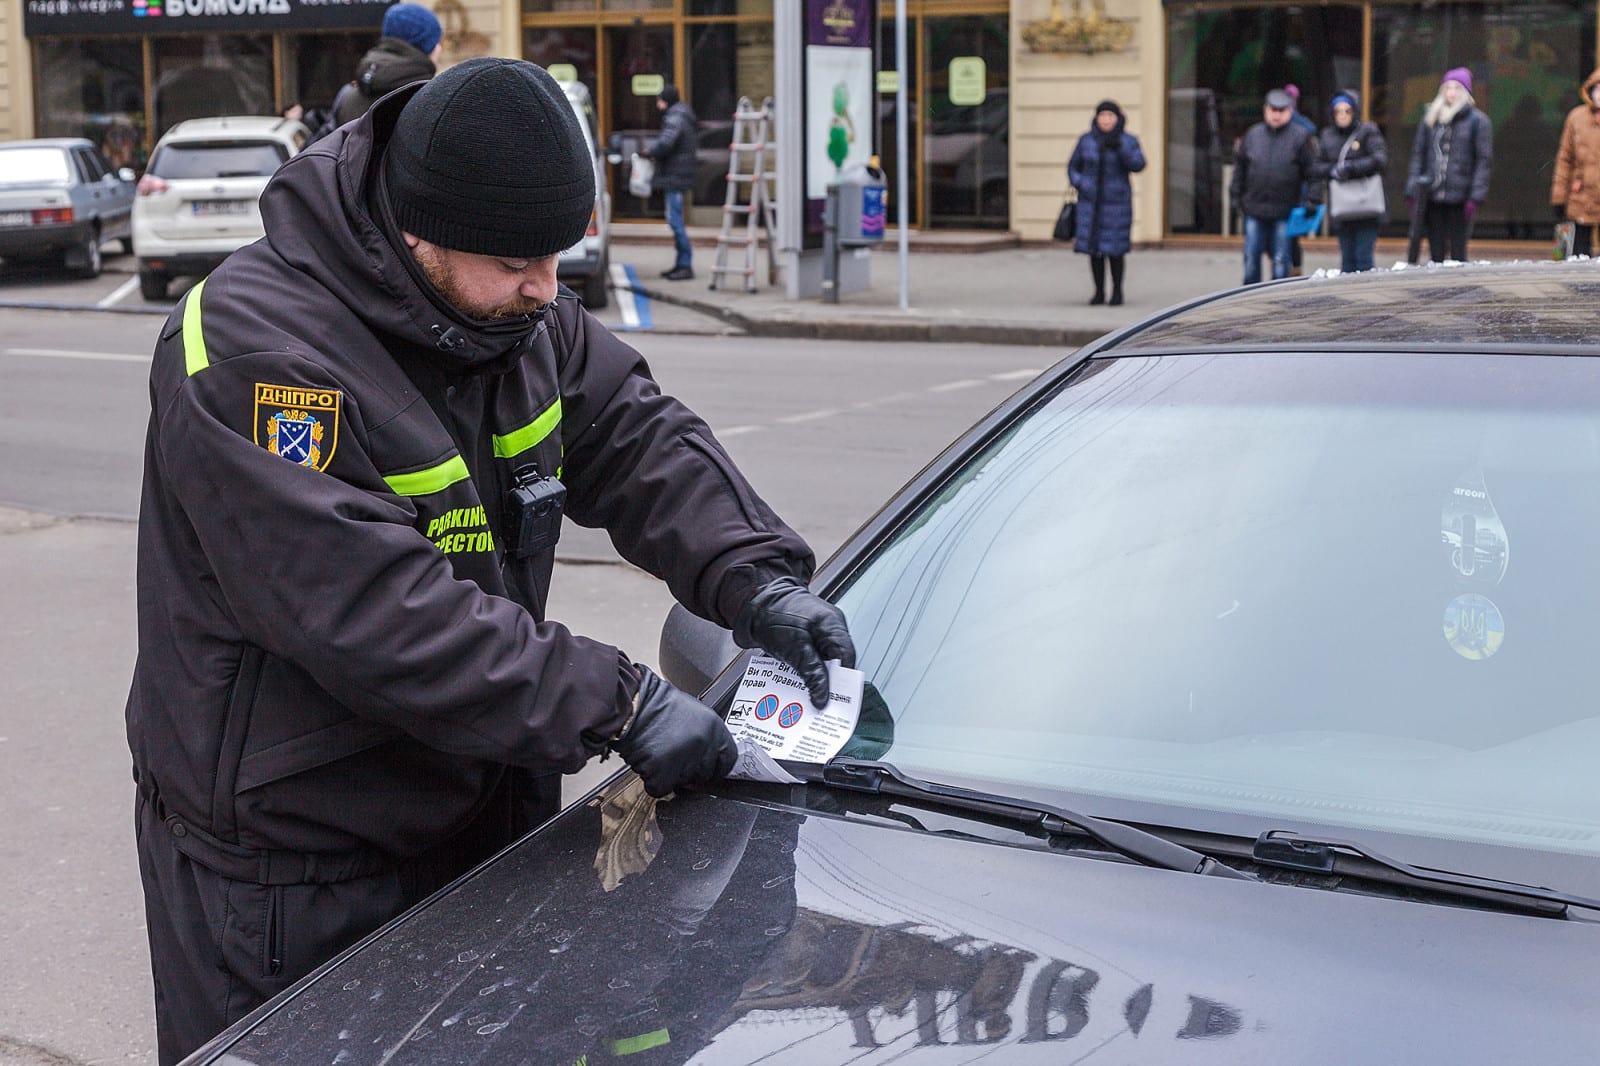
[826, 68]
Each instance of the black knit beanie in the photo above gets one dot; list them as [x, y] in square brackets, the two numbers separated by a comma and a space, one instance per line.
[488, 158]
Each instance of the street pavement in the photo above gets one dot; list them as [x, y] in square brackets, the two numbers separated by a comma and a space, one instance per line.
[973, 288]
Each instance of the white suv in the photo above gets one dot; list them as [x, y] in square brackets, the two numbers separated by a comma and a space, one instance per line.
[199, 198]
[584, 265]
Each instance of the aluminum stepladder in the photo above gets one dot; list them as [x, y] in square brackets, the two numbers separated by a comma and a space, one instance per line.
[752, 140]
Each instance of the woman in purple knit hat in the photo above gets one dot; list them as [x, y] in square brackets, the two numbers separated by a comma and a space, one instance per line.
[1449, 175]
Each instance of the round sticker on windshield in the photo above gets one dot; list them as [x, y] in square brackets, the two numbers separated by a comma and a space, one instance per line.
[1473, 626]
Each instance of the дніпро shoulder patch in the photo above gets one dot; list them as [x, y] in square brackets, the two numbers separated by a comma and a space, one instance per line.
[297, 423]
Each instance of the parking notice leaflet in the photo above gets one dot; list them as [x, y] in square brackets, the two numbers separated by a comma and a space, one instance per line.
[772, 715]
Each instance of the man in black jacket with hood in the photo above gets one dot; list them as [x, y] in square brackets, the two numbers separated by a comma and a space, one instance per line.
[363, 429]
[673, 152]
[407, 51]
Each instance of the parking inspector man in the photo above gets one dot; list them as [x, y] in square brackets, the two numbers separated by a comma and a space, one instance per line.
[365, 429]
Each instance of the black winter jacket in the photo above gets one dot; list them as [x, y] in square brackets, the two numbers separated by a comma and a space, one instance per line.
[674, 149]
[1453, 161]
[336, 655]
[1274, 171]
[387, 66]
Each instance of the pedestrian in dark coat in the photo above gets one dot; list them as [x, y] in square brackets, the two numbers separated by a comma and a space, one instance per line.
[407, 51]
[1098, 170]
[1575, 186]
[1450, 161]
[674, 154]
[1349, 149]
[362, 429]
[1274, 170]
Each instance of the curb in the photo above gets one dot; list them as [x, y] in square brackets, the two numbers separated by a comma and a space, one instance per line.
[923, 328]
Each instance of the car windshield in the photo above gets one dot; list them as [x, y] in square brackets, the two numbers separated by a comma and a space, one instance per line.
[222, 159]
[1349, 590]
[33, 166]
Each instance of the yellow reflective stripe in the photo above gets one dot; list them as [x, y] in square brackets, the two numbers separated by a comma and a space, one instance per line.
[643, 1042]
[194, 341]
[518, 441]
[434, 479]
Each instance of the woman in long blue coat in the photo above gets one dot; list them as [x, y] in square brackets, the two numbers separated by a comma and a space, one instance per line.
[1099, 170]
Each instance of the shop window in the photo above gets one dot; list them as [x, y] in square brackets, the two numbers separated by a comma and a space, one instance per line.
[1221, 62]
[966, 153]
[1527, 61]
[317, 65]
[210, 74]
[94, 88]
[566, 51]
[729, 7]
[887, 147]
[715, 86]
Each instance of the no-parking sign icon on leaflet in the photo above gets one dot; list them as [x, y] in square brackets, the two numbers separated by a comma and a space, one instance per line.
[766, 707]
[791, 714]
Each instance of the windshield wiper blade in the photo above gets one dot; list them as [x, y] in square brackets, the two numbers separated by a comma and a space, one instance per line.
[884, 779]
[1289, 850]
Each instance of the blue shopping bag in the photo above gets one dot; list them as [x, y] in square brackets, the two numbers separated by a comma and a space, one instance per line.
[1302, 225]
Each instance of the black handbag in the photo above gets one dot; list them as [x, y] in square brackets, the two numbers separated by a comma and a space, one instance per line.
[1066, 222]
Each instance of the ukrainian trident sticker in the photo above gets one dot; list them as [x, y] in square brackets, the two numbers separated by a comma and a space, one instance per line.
[297, 423]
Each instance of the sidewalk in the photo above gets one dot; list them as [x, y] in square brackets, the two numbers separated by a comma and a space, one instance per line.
[991, 291]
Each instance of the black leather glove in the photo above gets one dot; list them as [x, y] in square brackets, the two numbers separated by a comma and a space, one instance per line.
[799, 627]
[673, 739]
[1560, 211]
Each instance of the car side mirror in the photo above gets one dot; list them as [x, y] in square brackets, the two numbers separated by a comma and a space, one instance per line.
[693, 650]
[126, 174]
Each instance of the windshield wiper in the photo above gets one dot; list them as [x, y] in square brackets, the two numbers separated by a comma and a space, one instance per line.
[1288, 850]
[884, 779]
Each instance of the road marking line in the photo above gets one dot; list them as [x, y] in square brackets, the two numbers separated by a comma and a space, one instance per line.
[952, 386]
[1015, 375]
[62, 353]
[634, 305]
[116, 295]
[734, 431]
[623, 295]
[808, 416]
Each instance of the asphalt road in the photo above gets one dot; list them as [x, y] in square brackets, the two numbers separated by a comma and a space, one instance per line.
[825, 431]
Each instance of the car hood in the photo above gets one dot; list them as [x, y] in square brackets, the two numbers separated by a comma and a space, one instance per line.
[712, 930]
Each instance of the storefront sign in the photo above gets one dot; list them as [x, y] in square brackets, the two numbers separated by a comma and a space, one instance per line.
[648, 84]
[888, 81]
[42, 18]
[562, 71]
[969, 80]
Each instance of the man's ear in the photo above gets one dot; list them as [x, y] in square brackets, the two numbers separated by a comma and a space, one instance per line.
[411, 239]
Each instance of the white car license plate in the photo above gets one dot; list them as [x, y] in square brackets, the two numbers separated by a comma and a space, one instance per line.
[220, 207]
[16, 218]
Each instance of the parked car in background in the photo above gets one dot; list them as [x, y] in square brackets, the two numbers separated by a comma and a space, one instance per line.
[1228, 700]
[585, 265]
[199, 197]
[60, 199]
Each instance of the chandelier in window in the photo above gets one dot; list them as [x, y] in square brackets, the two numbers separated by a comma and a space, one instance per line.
[1078, 32]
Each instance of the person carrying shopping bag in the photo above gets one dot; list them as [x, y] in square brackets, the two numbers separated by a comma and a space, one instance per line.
[1098, 170]
[1352, 155]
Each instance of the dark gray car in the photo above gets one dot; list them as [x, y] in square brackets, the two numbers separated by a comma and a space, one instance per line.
[1228, 700]
[61, 200]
